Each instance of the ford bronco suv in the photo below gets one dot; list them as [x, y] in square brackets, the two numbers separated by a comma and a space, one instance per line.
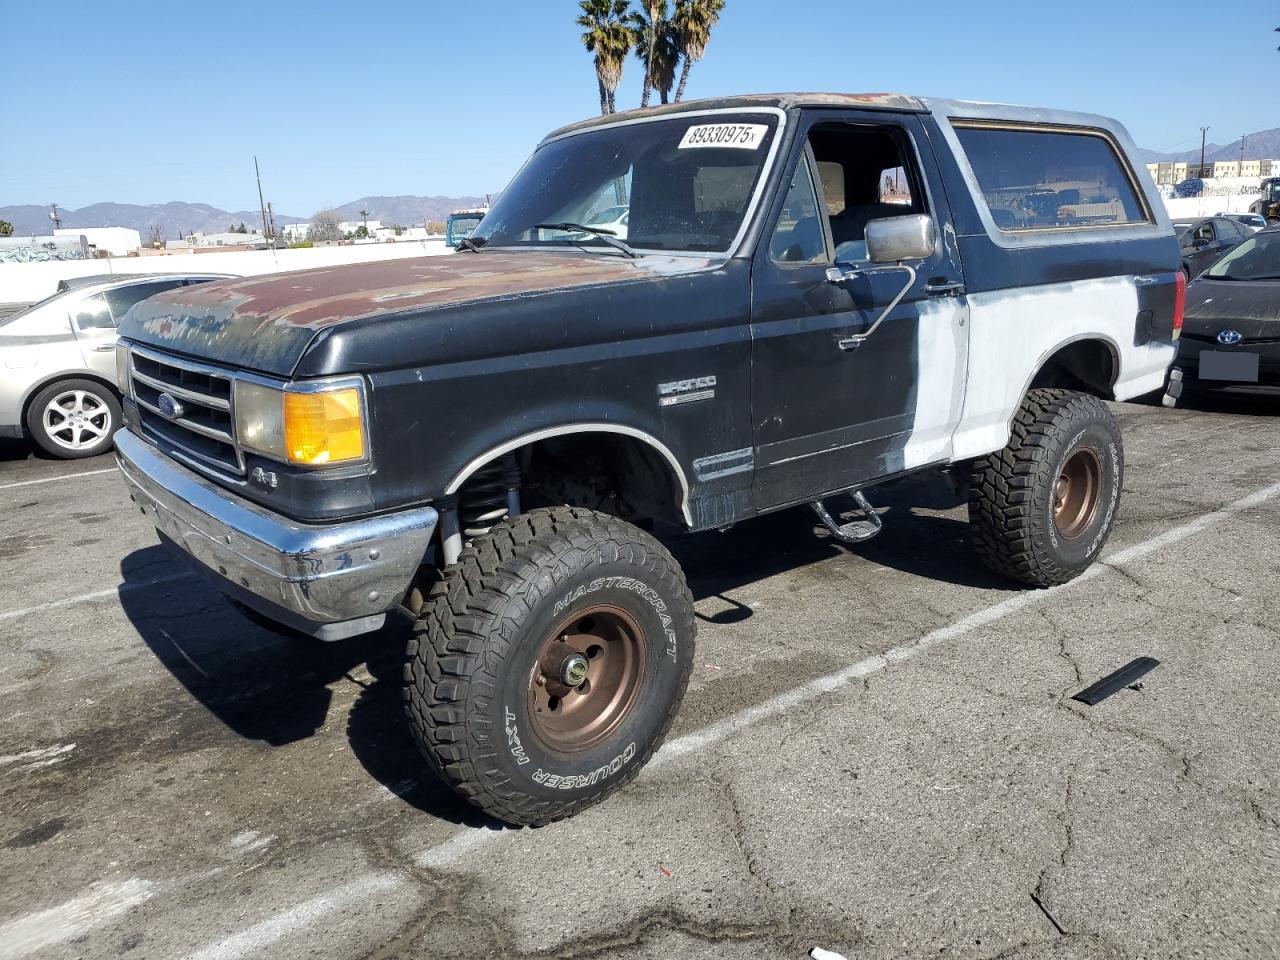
[815, 293]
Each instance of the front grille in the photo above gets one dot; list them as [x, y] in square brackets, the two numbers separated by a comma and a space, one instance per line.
[205, 428]
[1213, 339]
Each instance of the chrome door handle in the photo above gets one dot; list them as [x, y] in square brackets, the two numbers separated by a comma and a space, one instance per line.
[945, 288]
[104, 347]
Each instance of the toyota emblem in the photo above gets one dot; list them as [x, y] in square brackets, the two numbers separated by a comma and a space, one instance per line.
[1229, 338]
[169, 407]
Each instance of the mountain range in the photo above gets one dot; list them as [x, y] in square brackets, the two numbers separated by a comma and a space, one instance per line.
[177, 219]
[1263, 145]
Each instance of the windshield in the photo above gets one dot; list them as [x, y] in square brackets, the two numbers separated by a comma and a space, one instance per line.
[685, 183]
[1272, 190]
[1181, 228]
[1258, 258]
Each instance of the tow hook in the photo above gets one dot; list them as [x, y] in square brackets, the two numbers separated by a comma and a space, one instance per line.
[1174, 390]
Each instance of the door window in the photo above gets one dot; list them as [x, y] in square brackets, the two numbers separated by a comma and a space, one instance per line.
[868, 173]
[122, 298]
[1204, 232]
[1227, 230]
[798, 237]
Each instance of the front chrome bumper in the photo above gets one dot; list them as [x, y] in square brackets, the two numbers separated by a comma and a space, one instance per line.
[328, 580]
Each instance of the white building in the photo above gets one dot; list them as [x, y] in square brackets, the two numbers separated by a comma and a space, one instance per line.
[385, 234]
[226, 239]
[351, 226]
[117, 241]
[295, 232]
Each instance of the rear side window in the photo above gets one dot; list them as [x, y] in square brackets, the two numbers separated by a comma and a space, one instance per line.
[1050, 180]
[92, 314]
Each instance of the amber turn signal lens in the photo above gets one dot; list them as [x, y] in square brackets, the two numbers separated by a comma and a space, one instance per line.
[325, 427]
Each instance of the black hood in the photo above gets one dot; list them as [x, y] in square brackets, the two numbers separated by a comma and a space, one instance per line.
[1250, 306]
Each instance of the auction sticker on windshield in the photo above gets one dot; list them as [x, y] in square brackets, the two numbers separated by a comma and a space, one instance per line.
[739, 136]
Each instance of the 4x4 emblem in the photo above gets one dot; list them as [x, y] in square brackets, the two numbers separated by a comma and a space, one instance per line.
[169, 407]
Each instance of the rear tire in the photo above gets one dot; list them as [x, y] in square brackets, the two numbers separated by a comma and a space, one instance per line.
[1041, 509]
[74, 419]
[492, 677]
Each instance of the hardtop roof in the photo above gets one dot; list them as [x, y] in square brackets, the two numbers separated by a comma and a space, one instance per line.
[893, 102]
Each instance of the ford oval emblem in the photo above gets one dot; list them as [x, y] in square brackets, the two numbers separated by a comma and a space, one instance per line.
[169, 407]
[1229, 338]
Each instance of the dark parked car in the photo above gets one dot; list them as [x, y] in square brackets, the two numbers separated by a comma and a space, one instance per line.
[817, 293]
[1204, 241]
[1251, 221]
[1231, 334]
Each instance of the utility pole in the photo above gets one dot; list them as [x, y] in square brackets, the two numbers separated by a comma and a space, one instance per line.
[1203, 131]
[53, 215]
[262, 207]
[1242, 152]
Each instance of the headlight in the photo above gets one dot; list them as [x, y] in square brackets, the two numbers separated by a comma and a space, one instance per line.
[305, 424]
[122, 368]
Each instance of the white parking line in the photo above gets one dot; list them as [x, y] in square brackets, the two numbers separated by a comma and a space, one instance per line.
[463, 843]
[251, 942]
[71, 919]
[25, 935]
[65, 476]
[96, 595]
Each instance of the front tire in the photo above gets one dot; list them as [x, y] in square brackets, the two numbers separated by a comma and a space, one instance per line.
[73, 419]
[1041, 509]
[548, 663]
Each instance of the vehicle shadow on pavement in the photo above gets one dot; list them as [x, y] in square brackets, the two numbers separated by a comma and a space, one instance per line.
[277, 688]
[16, 450]
[1230, 404]
[916, 540]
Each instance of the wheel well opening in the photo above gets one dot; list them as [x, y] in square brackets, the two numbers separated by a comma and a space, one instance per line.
[57, 378]
[613, 473]
[1086, 365]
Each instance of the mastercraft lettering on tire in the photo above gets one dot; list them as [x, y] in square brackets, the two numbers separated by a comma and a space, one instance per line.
[814, 294]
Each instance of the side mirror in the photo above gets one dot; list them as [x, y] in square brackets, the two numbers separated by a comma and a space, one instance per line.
[1199, 242]
[894, 239]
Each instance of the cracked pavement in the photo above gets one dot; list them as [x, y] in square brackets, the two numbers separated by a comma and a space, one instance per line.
[177, 782]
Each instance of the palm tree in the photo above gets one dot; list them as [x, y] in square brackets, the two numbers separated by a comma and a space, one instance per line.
[606, 34]
[364, 215]
[657, 48]
[693, 21]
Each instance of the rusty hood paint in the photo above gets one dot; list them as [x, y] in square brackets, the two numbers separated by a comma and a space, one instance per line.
[267, 323]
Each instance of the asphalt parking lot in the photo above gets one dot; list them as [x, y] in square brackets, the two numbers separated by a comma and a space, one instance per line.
[878, 754]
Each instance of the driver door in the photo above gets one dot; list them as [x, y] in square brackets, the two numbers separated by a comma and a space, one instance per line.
[827, 417]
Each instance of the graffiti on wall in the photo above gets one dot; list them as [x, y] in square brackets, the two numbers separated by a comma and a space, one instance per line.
[42, 249]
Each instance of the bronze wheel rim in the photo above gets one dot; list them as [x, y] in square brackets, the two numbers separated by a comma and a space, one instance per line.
[586, 678]
[1076, 493]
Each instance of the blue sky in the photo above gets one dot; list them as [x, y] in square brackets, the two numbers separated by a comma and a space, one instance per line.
[143, 102]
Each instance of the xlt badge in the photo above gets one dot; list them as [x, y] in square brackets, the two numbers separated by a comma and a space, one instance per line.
[686, 391]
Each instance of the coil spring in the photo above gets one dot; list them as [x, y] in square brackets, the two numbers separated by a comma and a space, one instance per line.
[487, 497]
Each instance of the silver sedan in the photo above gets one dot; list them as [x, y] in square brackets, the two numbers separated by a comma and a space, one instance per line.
[57, 361]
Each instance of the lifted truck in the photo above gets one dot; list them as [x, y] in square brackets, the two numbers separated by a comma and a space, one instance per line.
[492, 442]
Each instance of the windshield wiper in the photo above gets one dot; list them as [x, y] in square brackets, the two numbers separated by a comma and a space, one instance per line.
[467, 243]
[608, 236]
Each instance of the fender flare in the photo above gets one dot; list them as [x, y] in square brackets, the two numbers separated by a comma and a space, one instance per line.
[525, 439]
